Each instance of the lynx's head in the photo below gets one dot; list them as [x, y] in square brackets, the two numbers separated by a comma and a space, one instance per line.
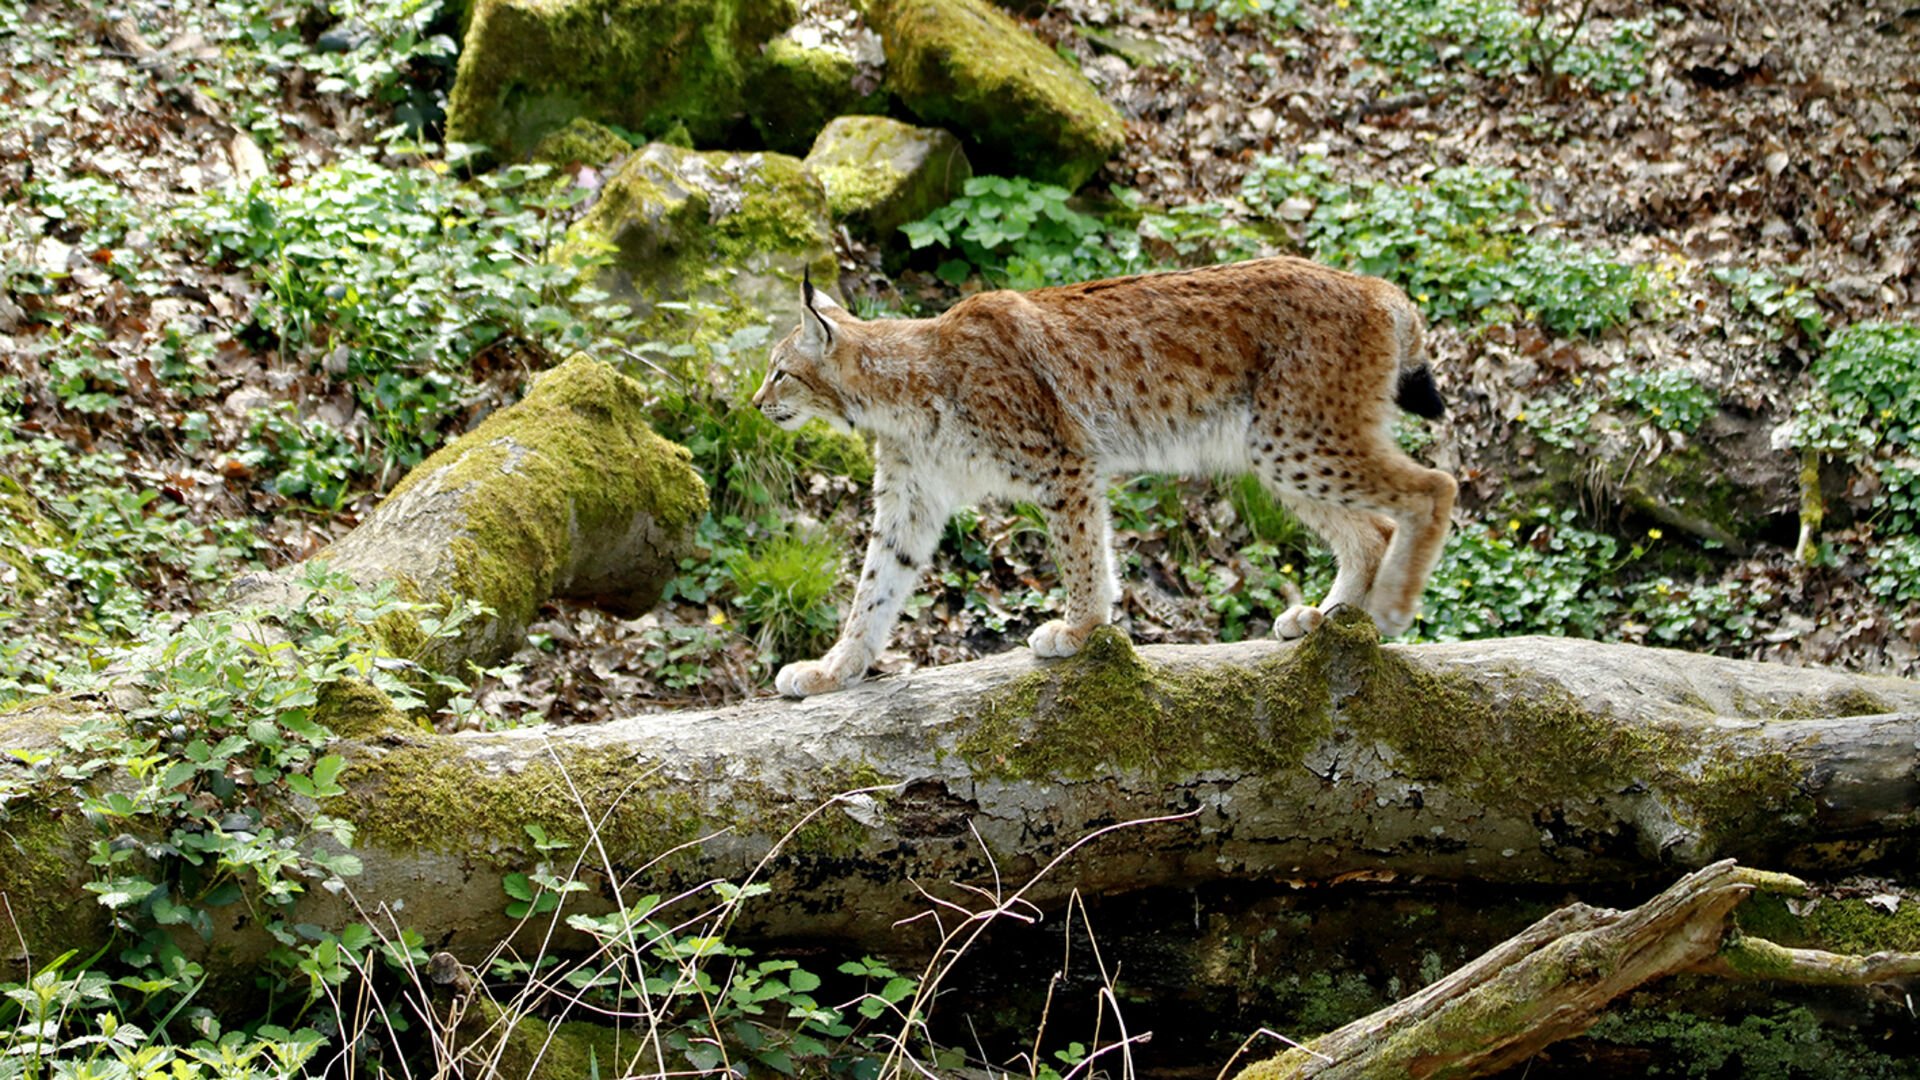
[802, 381]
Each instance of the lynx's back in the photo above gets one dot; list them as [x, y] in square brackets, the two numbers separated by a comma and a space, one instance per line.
[1165, 372]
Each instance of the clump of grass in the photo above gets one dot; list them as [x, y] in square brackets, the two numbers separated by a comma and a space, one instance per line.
[784, 589]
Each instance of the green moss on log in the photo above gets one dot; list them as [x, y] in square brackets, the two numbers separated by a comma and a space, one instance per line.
[1511, 743]
[527, 1047]
[429, 795]
[574, 458]
[1106, 710]
[1835, 924]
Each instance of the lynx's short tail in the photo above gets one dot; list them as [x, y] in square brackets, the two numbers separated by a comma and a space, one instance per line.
[1416, 392]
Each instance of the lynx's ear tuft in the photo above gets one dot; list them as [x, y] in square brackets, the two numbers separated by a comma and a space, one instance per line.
[816, 333]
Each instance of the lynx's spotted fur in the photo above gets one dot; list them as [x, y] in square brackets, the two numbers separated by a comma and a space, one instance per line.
[1279, 366]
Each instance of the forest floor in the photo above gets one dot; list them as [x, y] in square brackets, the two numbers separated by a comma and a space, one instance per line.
[185, 399]
[1667, 252]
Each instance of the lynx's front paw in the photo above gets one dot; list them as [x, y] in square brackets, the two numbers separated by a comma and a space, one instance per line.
[806, 678]
[1057, 637]
[1297, 621]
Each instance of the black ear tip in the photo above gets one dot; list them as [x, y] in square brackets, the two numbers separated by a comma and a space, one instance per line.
[806, 284]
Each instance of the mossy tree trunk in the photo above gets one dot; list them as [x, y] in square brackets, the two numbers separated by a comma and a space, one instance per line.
[566, 493]
[1526, 760]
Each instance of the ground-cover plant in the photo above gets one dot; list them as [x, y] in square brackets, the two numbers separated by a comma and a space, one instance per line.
[308, 459]
[83, 553]
[1462, 241]
[368, 51]
[397, 280]
[1790, 1042]
[61, 1024]
[192, 790]
[784, 587]
[1421, 43]
[1863, 407]
[1022, 235]
[1543, 571]
[1266, 14]
[1786, 306]
[1672, 399]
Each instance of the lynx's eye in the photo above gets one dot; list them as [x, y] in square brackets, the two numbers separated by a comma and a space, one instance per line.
[777, 376]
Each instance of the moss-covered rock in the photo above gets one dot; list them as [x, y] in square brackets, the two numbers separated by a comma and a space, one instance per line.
[581, 142]
[881, 173]
[965, 66]
[729, 232]
[530, 66]
[797, 87]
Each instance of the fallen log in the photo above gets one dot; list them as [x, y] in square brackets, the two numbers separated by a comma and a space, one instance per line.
[1523, 760]
[1554, 980]
[566, 494]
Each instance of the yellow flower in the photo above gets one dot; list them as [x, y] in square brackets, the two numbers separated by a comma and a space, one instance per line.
[1513, 525]
[1654, 534]
[1519, 418]
[1287, 569]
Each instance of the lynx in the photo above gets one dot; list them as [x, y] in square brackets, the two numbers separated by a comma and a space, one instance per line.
[1279, 366]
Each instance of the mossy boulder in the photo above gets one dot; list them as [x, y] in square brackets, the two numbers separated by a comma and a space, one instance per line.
[530, 66]
[729, 234]
[966, 66]
[799, 85]
[881, 173]
[581, 142]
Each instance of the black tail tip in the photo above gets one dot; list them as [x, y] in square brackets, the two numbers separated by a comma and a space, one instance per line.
[1418, 395]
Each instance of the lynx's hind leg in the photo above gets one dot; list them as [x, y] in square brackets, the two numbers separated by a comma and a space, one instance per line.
[1359, 540]
[1420, 502]
[1384, 514]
